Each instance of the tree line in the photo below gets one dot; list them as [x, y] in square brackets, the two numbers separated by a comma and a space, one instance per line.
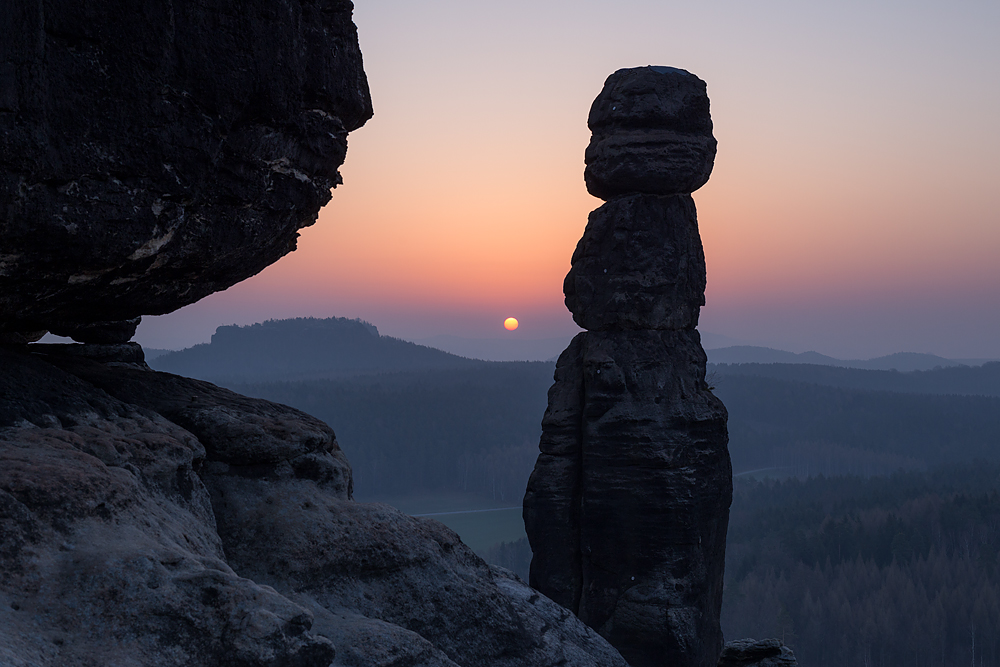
[464, 430]
[898, 570]
[812, 429]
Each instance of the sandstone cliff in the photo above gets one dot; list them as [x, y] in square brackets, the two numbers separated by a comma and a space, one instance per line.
[627, 508]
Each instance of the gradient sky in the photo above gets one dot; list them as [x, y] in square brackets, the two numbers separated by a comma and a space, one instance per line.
[854, 208]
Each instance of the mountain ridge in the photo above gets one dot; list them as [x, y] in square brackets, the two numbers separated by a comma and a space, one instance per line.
[899, 361]
[302, 348]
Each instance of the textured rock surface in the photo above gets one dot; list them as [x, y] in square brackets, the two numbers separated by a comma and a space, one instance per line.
[151, 519]
[108, 547]
[652, 134]
[754, 653]
[153, 154]
[639, 265]
[628, 505]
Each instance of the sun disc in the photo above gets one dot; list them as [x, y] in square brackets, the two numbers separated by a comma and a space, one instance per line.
[510, 324]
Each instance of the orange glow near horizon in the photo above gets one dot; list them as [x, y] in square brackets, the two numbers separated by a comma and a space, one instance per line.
[510, 324]
[848, 182]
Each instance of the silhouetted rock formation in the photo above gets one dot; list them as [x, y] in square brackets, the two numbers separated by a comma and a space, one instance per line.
[628, 505]
[752, 653]
[151, 155]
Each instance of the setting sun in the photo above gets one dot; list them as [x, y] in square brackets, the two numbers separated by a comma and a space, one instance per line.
[510, 324]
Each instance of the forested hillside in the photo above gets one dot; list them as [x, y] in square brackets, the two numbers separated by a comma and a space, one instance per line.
[301, 349]
[414, 420]
[964, 380]
[474, 430]
[808, 429]
[893, 571]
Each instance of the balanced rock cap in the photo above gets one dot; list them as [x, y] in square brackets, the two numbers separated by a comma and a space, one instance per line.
[652, 134]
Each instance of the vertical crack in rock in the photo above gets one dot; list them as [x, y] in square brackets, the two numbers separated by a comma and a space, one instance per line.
[628, 505]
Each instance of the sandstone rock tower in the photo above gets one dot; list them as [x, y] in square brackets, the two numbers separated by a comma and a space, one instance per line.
[628, 505]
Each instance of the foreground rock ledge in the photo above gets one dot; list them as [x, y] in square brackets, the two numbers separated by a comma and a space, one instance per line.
[151, 519]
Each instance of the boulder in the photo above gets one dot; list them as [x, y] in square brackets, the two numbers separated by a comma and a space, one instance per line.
[652, 133]
[154, 153]
[108, 547]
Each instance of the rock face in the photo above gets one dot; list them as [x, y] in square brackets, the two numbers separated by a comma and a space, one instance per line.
[752, 653]
[628, 505]
[151, 519]
[152, 154]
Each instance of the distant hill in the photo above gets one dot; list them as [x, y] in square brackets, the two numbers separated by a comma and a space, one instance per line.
[960, 380]
[509, 348]
[302, 349]
[901, 361]
[750, 354]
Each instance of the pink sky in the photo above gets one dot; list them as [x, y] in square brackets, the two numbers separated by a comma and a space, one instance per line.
[854, 208]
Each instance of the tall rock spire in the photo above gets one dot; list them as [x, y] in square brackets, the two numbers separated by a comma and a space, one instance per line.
[628, 505]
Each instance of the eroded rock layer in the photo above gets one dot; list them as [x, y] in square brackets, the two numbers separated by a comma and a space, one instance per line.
[151, 519]
[154, 153]
[628, 505]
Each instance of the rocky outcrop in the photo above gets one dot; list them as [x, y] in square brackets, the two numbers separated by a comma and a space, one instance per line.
[151, 519]
[754, 653]
[109, 552]
[652, 134]
[628, 505]
[153, 154]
